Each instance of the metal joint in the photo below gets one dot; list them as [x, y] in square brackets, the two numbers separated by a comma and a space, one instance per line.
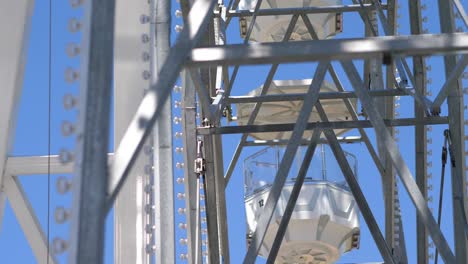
[200, 166]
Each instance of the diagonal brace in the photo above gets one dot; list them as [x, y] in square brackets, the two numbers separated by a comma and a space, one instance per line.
[256, 109]
[153, 102]
[449, 84]
[398, 162]
[461, 11]
[356, 189]
[288, 158]
[294, 195]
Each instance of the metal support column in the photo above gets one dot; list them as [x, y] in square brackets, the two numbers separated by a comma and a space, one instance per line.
[152, 104]
[190, 178]
[162, 138]
[211, 203]
[457, 130]
[419, 72]
[90, 182]
[131, 221]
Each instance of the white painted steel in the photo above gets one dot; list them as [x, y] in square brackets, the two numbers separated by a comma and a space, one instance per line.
[129, 85]
[37, 165]
[322, 227]
[28, 221]
[273, 28]
[13, 49]
[287, 111]
[32, 165]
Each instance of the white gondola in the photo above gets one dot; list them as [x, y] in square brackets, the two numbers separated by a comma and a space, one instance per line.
[325, 220]
[273, 28]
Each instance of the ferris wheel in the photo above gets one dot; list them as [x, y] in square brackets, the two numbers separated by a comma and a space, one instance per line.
[289, 131]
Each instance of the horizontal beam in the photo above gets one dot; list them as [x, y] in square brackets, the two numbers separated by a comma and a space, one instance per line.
[31, 165]
[37, 165]
[300, 96]
[304, 142]
[329, 49]
[322, 125]
[301, 10]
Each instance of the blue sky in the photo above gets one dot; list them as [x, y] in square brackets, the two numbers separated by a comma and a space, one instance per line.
[32, 129]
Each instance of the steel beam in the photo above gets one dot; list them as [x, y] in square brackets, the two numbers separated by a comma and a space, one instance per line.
[189, 125]
[288, 211]
[214, 175]
[304, 142]
[28, 221]
[33, 165]
[130, 218]
[300, 96]
[13, 51]
[256, 109]
[347, 103]
[356, 190]
[330, 49]
[400, 62]
[322, 125]
[300, 11]
[461, 11]
[283, 170]
[420, 135]
[211, 201]
[221, 199]
[399, 164]
[457, 131]
[203, 94]
[152, 104]
[36, 165]
[90, 182]
[163, 192]
[394, 231]
[450, 83]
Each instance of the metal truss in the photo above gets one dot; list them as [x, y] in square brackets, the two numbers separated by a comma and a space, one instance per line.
[214, 93]
[103, 181]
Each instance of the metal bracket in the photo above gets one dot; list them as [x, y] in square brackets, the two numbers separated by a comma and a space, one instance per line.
[200, 166]
[200, 162]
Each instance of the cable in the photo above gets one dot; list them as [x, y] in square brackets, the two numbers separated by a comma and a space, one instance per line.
[49, 128]
[441, 192]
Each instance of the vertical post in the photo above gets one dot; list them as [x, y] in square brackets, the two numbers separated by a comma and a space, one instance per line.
[419, 73]
[394, 225]
[190, 178]
[211, 203]
[218, 73]
[221, 199]
[130, 218]
[162, 135]
[91, 180]
[457, 130]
